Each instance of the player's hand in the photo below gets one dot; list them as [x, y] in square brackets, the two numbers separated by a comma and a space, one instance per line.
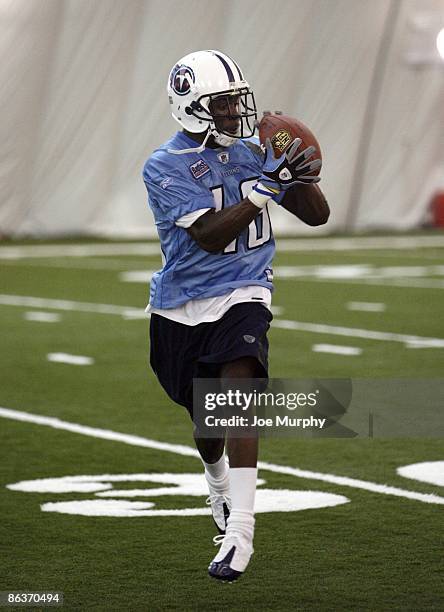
[281, 173]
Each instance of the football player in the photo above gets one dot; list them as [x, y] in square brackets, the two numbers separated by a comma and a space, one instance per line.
[210, 188]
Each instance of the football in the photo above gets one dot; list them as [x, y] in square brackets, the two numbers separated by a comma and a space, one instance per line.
[282, 130]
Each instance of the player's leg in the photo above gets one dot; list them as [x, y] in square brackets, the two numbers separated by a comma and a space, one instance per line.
[237, 547]
[173, 356]
[242, 451]
[210, 449]
[213, 458]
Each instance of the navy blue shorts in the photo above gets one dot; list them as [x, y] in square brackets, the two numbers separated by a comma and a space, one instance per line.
[179, 353]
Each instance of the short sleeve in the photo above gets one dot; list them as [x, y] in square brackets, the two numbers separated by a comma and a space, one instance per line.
[188, 219]
[172, 190]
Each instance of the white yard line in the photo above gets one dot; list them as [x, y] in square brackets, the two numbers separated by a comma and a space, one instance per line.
[131, 312]
[136, 276]
[180, 449]
[283, 244]
[70, 305]
[366, 306]
[80, 360]
[336, 349]
[388, 254]
[420, 283]
[94, 432]
[42, 317]
[359, 243]
[420, 344]
[354, 483]
[79, 250]
[354, 332]
[362, 273]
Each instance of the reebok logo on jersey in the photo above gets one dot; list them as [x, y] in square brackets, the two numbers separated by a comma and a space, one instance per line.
[164, 184]
[199, 169]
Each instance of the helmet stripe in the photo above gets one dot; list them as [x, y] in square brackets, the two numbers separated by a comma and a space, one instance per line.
[227, 67]
[241, 76]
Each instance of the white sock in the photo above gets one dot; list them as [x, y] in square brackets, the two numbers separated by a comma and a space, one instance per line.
[217, 473]
[241, 521]
[243, 489]
[242, 493]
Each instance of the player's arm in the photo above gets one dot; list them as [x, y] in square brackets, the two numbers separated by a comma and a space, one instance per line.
[302, 196]
[307, 202]
[213, 231]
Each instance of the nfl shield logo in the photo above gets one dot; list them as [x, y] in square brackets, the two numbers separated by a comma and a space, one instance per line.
[224, 157]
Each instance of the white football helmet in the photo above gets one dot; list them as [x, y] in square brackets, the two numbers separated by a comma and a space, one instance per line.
[199, 78]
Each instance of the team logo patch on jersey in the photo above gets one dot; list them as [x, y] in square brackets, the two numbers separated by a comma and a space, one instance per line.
[223, 157]
[199, 169]
[181, 79]
[249, 339]
[281, 140]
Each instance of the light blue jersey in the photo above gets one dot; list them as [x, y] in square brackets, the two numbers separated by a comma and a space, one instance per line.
[215, 178]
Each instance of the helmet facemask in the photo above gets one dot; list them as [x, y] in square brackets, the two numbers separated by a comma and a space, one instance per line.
[229, 114]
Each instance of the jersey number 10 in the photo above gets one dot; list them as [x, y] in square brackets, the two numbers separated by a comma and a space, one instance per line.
[259, 230]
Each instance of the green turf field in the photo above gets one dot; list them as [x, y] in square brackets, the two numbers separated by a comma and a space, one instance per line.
[381, 548]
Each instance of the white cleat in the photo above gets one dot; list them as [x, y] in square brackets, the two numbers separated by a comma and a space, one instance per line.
[220, 507]
[233, 557]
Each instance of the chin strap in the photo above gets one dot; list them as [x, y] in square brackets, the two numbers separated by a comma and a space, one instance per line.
[221, 139]
[198, 149]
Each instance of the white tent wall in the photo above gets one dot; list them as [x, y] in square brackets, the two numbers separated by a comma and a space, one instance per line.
[27, 32]
[83, 104]
[405, 163]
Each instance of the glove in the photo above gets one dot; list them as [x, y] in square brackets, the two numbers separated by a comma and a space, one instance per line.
[282, 173]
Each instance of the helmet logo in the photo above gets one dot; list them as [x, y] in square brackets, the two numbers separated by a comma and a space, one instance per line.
[181, 79]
